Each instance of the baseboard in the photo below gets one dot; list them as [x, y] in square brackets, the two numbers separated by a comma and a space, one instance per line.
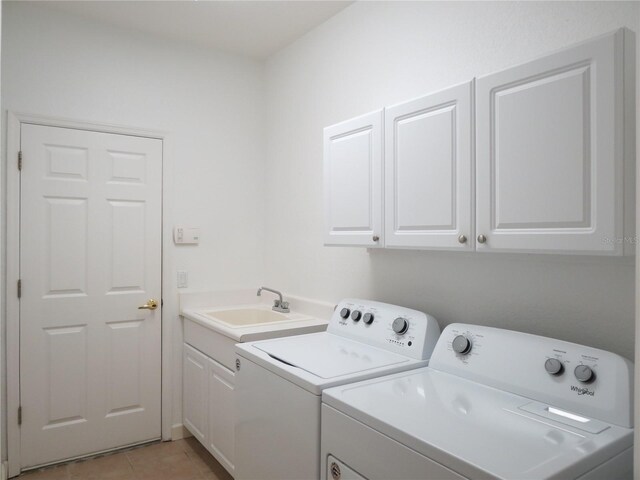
[179, 431]
[4, 468]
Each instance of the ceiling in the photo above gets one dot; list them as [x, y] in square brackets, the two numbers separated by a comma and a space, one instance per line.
[253, 28]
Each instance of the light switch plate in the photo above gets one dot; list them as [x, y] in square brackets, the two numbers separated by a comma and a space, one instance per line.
[183, 279]
[186, 235]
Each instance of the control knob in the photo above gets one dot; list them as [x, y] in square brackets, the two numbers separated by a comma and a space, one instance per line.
[554, 366]
[461, 345]
[368, 318]
[345, 312]
[355, 315]
[584, 374]
[400, 325]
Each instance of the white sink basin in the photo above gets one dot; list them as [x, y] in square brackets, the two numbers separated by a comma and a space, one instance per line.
[245, 317]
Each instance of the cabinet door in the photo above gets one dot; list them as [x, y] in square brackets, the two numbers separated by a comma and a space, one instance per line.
[353, 182]
[428, 166]
[194, 393]
[221, 414]
[550, 152]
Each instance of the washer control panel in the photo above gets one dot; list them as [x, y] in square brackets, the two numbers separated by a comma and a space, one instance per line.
[461, 344]
[554, 366]
[400, 325]
[399, 329]
[465, 343]
[580, 379]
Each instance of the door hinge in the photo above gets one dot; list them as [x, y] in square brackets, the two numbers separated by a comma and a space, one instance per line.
[20, 415]
[20, 160]
[19, 288]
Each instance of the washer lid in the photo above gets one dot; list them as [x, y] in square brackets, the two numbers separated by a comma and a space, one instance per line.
[479, 431]
[328, 356]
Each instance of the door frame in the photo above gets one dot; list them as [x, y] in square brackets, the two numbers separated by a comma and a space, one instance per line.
[169, 309]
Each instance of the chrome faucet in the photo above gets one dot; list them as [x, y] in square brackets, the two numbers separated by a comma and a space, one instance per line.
[279, 305]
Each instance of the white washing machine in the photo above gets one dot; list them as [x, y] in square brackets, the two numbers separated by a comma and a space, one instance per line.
[279, 382]
[491, 404]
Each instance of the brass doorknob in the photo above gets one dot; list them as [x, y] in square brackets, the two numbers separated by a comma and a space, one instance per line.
[150, 305]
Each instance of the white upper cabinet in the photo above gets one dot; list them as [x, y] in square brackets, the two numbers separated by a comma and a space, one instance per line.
[428, 171]
[536, 158]
[353, 182]
[550, 152]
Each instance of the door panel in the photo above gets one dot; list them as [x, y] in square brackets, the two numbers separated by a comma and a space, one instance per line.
[428, 168]
[66, 362]
[66, 255]
[541, 154]
[353, 182]
[221, 441]
[549, 146]
[194, 393]
[127, 246]
[90, 255]
[124, 366]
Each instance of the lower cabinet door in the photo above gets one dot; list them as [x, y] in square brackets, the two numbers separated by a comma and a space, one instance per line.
[194, 392]
[221, 435]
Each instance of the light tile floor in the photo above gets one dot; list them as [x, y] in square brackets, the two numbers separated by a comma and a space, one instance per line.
[180, 460]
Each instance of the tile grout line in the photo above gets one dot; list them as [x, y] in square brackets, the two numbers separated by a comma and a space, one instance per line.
[191, 461]
[133, 472]
[190, 452]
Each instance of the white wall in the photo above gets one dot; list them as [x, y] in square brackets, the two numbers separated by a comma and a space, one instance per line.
[374, 54]
[211, 104]
[370, 55]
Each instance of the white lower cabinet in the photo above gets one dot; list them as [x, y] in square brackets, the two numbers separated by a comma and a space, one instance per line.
[194, 389]
[208, 404]
[221, 441]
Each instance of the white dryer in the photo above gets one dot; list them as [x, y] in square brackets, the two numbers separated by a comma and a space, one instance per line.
[279, 382]
[492, 404]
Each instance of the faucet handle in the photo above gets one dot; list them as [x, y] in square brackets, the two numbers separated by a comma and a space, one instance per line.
[284, 305]
[276, 302]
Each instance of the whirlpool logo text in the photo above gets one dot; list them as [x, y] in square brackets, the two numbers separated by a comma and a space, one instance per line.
[582, 391]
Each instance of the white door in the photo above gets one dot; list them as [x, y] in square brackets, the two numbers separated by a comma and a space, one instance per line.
[353, 182]
[90, 255]
[550, 153]
[221, 441]
[194, 392]
[428, 171]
